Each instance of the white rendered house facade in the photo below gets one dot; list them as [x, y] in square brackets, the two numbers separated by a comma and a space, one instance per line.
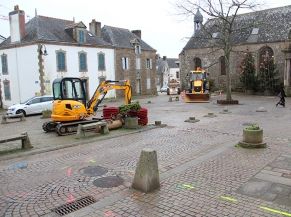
[30, 63]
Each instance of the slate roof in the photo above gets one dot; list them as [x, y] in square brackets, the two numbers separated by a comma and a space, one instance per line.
[273, 24]
[2, 37]
[48, 29]
[121, 38]
[168, 63]
[172, 62]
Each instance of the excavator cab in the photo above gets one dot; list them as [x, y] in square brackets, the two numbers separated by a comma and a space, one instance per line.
[69, 100]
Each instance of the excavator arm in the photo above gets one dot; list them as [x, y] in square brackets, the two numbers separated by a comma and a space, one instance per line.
[102, 90]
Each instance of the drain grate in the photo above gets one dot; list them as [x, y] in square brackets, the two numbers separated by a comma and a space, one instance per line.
[74, 206]
[94, 171]
[108, 182]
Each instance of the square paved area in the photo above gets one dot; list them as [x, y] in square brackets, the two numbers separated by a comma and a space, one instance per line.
[202, 173]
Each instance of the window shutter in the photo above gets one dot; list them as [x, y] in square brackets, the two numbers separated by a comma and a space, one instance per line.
[123, 63]
[127, 63]
[4, 64]
[151, 64]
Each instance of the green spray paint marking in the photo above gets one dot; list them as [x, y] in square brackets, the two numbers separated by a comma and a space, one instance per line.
[185, 186]
[228, 198]
[275, 211]
[92, 161]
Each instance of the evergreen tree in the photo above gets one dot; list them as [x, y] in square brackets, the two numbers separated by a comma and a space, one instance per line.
[268, 75]
[248, 71]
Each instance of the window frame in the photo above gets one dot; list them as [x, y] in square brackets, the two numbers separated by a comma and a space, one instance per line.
[104, 65]
[65, 60]
[4, 66]
[125, 63]
[80, 54]
[7, 97]
[149, 63]
[81, 36]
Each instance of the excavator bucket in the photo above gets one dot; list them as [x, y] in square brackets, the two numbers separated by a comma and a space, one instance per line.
[196, 97]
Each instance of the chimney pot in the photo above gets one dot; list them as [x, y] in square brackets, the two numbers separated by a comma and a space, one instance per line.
[17, 24]
[164, 57]
[95, 27]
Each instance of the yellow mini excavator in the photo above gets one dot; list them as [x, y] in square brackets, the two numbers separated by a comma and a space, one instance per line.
[198, 91]
[70, 108]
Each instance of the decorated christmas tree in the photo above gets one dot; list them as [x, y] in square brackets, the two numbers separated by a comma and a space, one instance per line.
[248, 72]
[268, 76]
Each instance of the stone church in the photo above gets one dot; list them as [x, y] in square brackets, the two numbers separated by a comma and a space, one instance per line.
[266, 32]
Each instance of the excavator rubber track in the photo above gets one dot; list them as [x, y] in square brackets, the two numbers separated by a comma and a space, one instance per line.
[64, 129]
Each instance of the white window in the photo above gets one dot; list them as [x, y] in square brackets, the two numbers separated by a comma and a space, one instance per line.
[137, 63]
[137, 49]
[148, 83]
[125, 63]
[149, 64]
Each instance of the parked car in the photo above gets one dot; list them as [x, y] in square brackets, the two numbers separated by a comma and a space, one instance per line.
[164, 89]
[34, 105]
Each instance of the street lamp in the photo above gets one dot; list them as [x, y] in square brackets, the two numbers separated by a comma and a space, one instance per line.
[41, 51]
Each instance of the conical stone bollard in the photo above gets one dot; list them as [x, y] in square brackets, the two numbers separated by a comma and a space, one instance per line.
[146, 178]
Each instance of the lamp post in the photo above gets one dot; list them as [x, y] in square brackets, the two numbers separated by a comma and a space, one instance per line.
[41, 48]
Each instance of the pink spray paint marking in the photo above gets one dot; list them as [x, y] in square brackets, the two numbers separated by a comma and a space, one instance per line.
[69, 172]
[109, 213]
[70, 198]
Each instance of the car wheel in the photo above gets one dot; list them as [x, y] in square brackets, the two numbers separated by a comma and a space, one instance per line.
[21, 112]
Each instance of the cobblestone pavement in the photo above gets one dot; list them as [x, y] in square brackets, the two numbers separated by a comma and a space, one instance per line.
[202, 172]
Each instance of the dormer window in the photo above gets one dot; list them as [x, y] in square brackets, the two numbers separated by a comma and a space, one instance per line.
[255, 31]
[137, 49]
[215, 35]
[81, 36]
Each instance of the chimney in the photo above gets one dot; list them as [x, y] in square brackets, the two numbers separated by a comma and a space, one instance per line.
[17, 24]
[164, 58]
[137, 33]
[95, 28]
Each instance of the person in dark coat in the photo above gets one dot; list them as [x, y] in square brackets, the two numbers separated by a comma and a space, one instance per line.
[282, 96]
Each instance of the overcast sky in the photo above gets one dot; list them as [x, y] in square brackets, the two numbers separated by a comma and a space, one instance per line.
[161, 27]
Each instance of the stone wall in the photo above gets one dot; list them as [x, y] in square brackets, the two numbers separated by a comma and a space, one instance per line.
[210, 57]
[132, 73]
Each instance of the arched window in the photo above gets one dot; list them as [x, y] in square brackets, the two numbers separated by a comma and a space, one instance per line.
[265, 55]
[222, 65]
[197, 63]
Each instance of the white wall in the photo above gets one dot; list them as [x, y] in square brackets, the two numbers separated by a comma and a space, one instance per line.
[72, 60]
[22, 74]
[23, 71]
[173, 74]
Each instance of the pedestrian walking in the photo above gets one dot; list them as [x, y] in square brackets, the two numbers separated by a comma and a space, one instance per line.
[282, 96]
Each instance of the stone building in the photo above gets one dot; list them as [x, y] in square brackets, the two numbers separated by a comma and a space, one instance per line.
[135, 60]
[262, 33]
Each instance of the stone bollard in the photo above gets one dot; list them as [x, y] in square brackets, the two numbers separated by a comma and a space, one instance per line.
[158, 123]
[170, 99]
[192, 120]
[25, 142]
[4, 119]
[146, 178]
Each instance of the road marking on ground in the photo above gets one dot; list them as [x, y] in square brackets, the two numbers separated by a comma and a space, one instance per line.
[275, 211]
[92, 161]
[184, 186]
[231, 199]
[69, 172]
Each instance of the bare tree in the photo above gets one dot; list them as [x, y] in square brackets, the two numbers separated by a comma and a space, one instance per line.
[223, 15]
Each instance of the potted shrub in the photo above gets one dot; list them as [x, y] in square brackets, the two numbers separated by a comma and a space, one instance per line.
[252, 137]
[129, 114]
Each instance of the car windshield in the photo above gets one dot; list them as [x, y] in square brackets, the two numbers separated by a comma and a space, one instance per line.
[26, 101]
